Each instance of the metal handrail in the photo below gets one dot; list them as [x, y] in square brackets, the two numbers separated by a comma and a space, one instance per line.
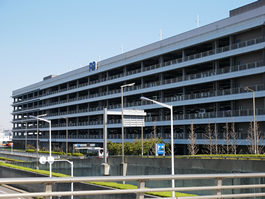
[141, 190]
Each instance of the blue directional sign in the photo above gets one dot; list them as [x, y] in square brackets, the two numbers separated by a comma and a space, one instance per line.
[160, 149]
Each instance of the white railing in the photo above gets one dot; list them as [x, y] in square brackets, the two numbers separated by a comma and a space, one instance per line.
[217, 188]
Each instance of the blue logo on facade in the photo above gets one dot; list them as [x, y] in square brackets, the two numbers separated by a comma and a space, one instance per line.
[92, 66]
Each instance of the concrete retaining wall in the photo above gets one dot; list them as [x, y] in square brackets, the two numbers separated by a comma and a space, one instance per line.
[6, 172]
[160, 166]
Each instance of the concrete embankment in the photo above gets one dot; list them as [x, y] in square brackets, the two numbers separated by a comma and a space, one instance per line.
[160, 166]
[6, 172]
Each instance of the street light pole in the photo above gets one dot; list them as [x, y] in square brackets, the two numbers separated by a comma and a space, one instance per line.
[26, 135]
[37, 144]
[50, 138]
[172, 138]
[122, 126]
[66, 139]
[254, 115]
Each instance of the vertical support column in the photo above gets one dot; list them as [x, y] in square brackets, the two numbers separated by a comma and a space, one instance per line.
[161, 60]
[141, 185]
[218, 182]
[216, 46]
[161, 78]
[48, 189]
[184, 112]
[232, 85]
[216, 87]
[217, 108]
[184, 73]
[232, 62]
[107, 75]
[263, 56]
[77, 83]
[183, 55]
[231, 41]
[142, 66]
[216, 67]
[124, 70]
[142, 82]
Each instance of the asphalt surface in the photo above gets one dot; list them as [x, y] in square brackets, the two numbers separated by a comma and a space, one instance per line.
[9, 190]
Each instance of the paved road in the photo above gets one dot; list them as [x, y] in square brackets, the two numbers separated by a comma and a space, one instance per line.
[9, 190]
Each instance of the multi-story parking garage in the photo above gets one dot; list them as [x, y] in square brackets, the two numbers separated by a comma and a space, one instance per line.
[202, 73]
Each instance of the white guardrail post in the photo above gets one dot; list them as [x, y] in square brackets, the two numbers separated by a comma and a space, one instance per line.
[48, 189]
[218, 183]
[141, 185]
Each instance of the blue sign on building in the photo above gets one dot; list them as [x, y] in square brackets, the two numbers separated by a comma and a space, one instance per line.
[160, 149]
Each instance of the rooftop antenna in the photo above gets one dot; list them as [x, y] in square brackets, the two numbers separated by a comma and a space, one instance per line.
[160, 34]
[198, 21]
[122, 48]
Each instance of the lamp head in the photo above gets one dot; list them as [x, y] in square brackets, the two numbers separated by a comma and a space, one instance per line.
[132, 84]
[144, 98]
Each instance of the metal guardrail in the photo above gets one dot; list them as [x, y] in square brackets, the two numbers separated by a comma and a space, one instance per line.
[216, 188]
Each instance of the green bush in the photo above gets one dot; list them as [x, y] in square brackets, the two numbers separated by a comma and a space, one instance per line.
[53, 152]
[77, 154]
[30, 150]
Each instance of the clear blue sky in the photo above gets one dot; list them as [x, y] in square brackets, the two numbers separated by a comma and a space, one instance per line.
[43, 37]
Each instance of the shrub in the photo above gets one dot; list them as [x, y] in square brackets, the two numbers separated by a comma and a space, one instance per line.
[30, 150]
[77, 154]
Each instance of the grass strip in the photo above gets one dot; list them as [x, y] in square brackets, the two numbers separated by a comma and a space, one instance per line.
[107, 184]
[11, 160]
[129, 186]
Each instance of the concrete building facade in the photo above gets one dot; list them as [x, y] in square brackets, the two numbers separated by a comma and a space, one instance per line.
[202, 73]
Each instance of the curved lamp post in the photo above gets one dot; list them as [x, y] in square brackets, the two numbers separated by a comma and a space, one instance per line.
[122, 126]
[172, 138]
[50, 136]
[254, 115]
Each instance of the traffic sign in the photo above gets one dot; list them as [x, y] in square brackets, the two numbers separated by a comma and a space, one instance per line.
[160, 149]
[42, 160]
[50, 159]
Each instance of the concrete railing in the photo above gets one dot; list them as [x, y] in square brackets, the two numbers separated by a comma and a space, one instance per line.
[217, 188]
